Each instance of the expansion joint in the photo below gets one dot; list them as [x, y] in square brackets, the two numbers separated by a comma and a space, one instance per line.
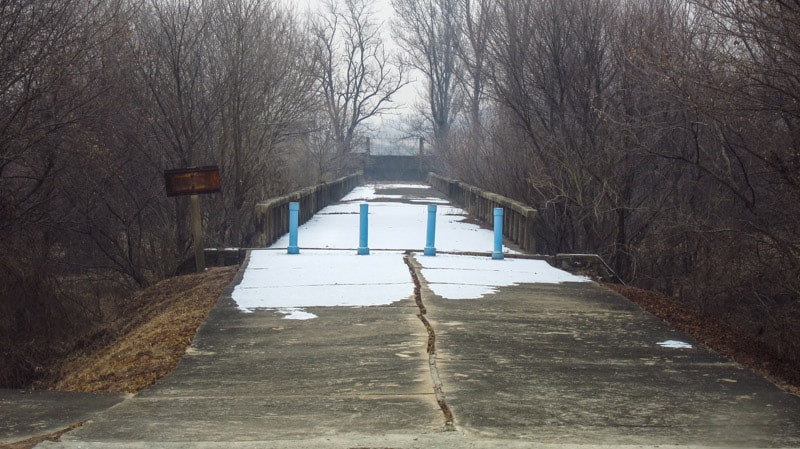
[413, 268]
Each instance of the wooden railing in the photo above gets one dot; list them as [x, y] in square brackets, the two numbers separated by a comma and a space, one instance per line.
[272, 216]
[518, 219]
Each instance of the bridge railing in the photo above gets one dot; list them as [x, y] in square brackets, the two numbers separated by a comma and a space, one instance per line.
[272, 216]
[518, 219]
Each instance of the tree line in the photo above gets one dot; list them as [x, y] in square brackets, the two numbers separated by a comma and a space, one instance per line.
[663, 135]
[99, 97]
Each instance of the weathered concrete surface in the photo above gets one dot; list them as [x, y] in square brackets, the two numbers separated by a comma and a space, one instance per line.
[24, 414]
[540, 366]
[579, 364]
[258, 377]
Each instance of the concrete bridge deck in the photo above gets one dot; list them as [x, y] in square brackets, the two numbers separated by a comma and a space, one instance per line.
[514, 362]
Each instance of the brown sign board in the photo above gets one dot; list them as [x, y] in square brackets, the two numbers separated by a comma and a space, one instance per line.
[192, 181]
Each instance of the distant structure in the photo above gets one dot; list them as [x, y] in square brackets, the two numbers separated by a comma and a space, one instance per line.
[394, 159]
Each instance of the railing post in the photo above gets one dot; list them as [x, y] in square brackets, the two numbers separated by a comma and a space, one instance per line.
[363, 234]
[498, 234]
[294, 211]
[430, 248]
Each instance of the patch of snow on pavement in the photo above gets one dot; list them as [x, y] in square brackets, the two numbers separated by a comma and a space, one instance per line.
[290, 283]
[369, 192]
[392, 226]
[431, 200]
[293, 313]
[674, 344]
[471, 277]
[402, 186]
[360, 193]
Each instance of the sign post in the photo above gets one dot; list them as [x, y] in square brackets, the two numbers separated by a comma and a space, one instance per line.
[194, 181]
[197, 235]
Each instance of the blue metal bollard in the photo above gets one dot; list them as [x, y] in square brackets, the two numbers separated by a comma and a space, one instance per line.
[498, 234]
[294, 211]
[430, 249]
[363, 249]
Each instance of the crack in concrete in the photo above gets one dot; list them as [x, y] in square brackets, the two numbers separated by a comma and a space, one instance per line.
[438, 390]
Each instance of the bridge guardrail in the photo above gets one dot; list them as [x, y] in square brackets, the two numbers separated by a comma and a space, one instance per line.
[272, 216]
[518, 219]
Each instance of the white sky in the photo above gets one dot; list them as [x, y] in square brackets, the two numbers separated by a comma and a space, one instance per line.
[336, 276]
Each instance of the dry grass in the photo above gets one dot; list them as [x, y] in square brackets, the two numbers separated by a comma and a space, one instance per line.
[148, 338]
[143, 344]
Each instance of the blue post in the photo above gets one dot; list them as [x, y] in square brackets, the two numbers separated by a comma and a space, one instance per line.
[363, 249]
[430, 249]
[498, 234]
[294, 211]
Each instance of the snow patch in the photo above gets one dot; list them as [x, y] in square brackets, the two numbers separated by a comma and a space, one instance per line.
[369, 191]
[402, 186]
[674, 344]
[472, 277]
[293, 313]
[392, 226]
[279, 281]
[289, 284]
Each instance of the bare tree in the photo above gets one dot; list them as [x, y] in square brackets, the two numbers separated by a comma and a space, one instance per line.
[97, 98]
[428, 31]
[355, 74]
[476, 19]
[471, 141]
[662, 135]
[747, 148]
[53, 94]
[266, 95]
[171, 44]
[553, 75]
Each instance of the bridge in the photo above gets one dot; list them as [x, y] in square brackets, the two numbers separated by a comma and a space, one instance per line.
[329, 348]
[393, 159]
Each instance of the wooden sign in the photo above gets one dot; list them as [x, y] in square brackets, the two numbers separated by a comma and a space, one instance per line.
[192, 181]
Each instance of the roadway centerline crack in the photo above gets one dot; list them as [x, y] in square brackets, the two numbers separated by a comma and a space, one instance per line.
[413, 268]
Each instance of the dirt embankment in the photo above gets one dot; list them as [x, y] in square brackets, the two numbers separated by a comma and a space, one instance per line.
[148, 337]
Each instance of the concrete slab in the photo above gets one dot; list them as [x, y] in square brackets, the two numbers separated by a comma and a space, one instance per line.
[578, 364]
[448, 440]
[24, 413]
[258, 377]
[540, 366]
